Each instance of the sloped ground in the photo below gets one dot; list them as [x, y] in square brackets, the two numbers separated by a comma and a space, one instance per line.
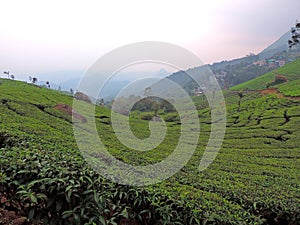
[253, 180]
[277, 93]
[290, 71]
[69, 111]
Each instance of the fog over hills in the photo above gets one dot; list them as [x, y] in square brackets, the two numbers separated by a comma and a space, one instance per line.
[67, 80]
[278, 46]
[117, 82]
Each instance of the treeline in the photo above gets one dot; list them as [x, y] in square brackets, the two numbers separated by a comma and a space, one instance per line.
[35, 80]
[147, 104]
[242, 72]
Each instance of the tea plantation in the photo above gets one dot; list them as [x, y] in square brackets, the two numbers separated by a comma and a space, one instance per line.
[255, 178]
[290, 71]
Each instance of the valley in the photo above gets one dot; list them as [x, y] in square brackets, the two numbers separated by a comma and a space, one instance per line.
[253, 180]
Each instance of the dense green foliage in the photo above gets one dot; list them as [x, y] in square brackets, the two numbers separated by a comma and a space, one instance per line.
[253, 180]
[290, 89]
[291, 71]
[42, 168]
[241, 72]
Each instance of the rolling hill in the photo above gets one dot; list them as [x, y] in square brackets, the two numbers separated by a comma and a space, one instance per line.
[236, 71]
[291, 71]
[233, 72]
[44, 177]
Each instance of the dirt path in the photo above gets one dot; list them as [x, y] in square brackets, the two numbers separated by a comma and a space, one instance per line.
[69, 110]
[277, 93]
[11, 217]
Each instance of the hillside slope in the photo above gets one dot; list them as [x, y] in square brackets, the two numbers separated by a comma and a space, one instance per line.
[291, 71]
[233, 72]
[278, 46]
[253, 180]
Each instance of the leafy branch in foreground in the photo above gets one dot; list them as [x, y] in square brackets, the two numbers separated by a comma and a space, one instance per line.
[295, 35]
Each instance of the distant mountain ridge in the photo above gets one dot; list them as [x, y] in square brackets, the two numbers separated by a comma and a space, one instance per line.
[228, 72]
[237, 71]
[290, 71]
[278, 46]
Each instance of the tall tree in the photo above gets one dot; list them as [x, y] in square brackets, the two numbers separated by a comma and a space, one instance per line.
[147, 92]
[295, 35]
[34, 80]
[100, 102]
[7, 73]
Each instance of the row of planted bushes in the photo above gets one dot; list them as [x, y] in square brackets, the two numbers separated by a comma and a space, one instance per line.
[58, 187]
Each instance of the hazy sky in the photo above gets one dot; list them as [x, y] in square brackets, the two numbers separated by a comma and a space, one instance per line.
[44, 37]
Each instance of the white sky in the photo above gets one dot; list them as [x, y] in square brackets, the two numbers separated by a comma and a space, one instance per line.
[43, 36]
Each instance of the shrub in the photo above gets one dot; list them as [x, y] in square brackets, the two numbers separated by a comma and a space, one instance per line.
[147, 116]
[172, 118]
[279, 79]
